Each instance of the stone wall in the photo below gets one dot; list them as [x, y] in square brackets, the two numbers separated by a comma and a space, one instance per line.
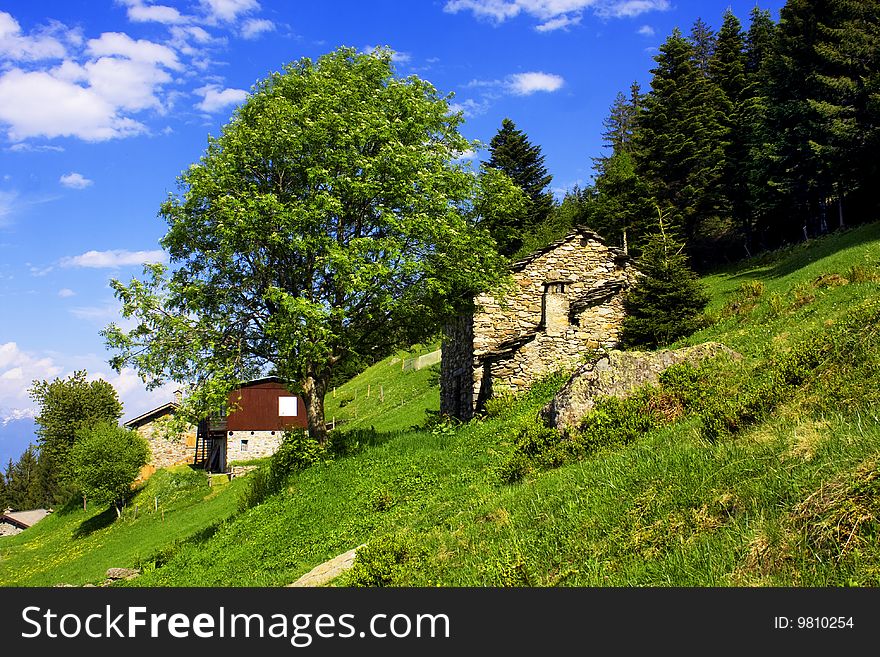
[166, 449]
[247, 445]
[8, 529]
[567, 301]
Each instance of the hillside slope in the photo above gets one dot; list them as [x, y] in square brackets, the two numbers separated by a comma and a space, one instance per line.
[787, 492]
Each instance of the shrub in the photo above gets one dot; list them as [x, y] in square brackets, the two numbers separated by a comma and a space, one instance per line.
[744, 299]
[386, 561]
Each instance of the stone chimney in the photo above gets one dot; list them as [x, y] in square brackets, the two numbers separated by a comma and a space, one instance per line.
[555, 306]
[178, 396]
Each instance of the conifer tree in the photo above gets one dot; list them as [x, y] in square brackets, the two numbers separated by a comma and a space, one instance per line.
[727, 73]
[679, 144]
[755, 131]
[622, 199]
[512, 153]
[667, 300]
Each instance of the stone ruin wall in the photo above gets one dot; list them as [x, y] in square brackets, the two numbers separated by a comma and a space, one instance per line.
[457, 368]
[589, 265]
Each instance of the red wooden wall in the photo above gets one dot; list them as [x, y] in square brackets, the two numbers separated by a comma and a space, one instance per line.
[258, 408]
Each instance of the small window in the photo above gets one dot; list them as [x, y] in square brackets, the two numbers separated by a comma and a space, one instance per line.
[554, 288]
[286, 406]
[244, 445]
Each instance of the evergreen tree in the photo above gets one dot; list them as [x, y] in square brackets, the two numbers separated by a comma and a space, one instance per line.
[667, 300]
[512, 153]
[844, 98]
[727, 73]
[4, 502]
[680, 143]
[621, 198]
[756, 133]
[792, 122]
[22, 481]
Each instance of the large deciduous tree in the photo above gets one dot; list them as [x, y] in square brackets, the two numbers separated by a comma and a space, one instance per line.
[68, 406]
[331, 218]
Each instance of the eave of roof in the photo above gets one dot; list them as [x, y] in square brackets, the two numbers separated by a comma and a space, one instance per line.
[149, 415]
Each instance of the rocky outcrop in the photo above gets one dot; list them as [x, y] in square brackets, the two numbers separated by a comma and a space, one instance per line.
[618, 373]
[329, 570]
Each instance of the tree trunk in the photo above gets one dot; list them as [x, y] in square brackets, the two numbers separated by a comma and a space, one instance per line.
[314, 388]
[840, 210]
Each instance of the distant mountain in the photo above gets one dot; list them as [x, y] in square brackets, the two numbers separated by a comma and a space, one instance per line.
[15, 436]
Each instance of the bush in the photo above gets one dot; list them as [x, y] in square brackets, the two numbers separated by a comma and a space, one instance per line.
[386, 561]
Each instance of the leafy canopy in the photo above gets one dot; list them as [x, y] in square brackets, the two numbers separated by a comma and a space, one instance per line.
[105, 461]
[332, 218]
[68, 406]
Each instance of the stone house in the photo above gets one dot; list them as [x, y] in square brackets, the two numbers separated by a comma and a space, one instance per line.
[567, 300]
[15, 522]
[263, 409]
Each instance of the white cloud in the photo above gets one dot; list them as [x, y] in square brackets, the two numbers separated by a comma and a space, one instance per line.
[66, 293]
[113, 259]
[646, 30]
[470, 107]
[16, 369]
[496, 10]
[525, 84]
[7, 205]
[37, 104]
[141, 13]
[254, 27]
[31, 148]
[227, 11]
[558, 23]
[27, 48]
[215, 99]
[554, 14]
[119, 43]
[75, 180]
[19, 368]
[631, 8]
[126, 84]
[100, 314]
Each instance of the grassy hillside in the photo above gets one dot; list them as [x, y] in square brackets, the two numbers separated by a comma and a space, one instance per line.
[76, 546]
[759, 471]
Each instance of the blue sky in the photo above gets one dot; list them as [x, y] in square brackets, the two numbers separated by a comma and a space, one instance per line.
[104, 102]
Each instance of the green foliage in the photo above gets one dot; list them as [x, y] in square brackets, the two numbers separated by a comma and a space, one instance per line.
[22, 487]
[386, 561]
[511, 153]
[105, 461]
[773, 505]
[68, 407]
[331, 218]
[667, 302]
[296, 452]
